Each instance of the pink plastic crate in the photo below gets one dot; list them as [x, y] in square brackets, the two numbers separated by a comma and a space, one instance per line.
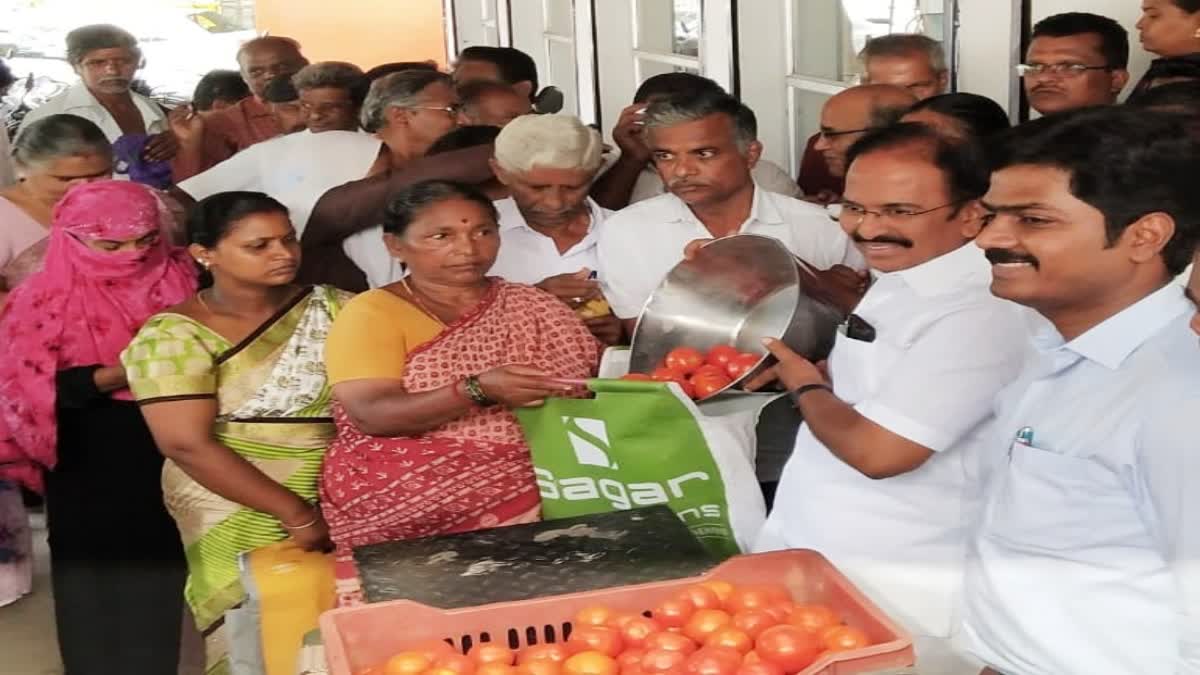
[358, 637]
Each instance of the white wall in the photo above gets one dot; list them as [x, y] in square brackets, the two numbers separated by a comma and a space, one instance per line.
[1124, 11]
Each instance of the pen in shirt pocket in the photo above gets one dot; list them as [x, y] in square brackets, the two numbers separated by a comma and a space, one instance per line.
[1025, 436]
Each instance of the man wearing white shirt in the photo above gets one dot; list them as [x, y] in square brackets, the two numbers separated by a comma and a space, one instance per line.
[1085, 555]
[548, 227]
[106, 59]
[704, 147]
[882, 477]
[296, 169]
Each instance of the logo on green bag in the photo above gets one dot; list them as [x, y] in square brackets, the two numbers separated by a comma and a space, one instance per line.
[589, 440]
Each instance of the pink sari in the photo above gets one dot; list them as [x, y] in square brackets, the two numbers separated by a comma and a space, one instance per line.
[472, 473]
[82, 308]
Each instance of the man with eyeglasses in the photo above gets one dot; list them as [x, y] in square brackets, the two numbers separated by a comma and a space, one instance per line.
[1075, 60]
[107, 58]
[851, 113]
[881, 479]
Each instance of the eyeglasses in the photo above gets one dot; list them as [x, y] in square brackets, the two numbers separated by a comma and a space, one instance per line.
[1061, 69]
[856, 214]
[451, 109]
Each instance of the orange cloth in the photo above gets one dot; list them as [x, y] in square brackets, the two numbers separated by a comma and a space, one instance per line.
[229, 131]
[373, 336]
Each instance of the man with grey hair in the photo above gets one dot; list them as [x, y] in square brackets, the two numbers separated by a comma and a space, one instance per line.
[548, 226]
[409, 110]
[331, 94]
[106, 58]
[910, 60]
[704, 146]
[850, 114]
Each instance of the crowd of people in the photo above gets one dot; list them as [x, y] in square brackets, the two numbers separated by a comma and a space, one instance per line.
[303, 309]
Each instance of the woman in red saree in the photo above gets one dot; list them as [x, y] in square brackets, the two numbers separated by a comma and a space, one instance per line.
[425, 373]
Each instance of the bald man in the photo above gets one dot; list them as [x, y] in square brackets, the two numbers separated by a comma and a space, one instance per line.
[852, 113]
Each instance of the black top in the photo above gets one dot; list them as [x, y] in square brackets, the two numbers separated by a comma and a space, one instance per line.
[104, 497]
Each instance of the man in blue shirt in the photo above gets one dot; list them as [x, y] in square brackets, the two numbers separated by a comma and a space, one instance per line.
[1086, 556]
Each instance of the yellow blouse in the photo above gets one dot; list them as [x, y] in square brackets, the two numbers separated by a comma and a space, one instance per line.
[372, 336]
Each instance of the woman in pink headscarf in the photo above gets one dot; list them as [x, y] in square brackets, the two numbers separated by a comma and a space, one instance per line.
[69, 426]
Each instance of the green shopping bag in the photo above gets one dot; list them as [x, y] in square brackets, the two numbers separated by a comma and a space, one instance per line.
[638, 444]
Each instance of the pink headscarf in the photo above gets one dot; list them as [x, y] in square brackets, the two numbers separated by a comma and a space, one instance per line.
[81, 309]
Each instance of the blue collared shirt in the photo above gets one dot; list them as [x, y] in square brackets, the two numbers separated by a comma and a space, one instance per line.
[1086, 558]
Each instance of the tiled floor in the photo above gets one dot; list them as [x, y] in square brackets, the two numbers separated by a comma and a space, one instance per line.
[27, 638]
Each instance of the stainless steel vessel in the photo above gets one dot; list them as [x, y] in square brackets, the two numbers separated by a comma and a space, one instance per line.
[736, 291]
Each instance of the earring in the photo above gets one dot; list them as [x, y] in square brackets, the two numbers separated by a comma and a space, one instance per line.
[203, 263]
[1196, 34]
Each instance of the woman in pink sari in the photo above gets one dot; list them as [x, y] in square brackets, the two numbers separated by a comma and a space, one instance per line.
[69, 427]
[425, 373]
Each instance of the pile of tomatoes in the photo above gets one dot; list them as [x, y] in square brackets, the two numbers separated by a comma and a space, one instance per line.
[712, 628]
[701, 375]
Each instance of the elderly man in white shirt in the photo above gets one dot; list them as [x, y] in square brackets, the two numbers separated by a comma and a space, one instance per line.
[1085, 558]
[548, 227]
[106, 59]
[882, 479]
[704, 147]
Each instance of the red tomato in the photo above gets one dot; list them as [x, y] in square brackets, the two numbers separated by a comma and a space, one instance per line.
[788, 647]
[754, 621]
[636, 377]
[713, 661]
[407, 663]
[674, 613]
[731, 638]
[708, 385]
[750, 597]
[813, 618]
[637, 629]
[495, 669]
[554, 653]
[760, 668]
[441, 670]
[844, 638]
[709, 370]
[672, 642]
[720, 355]
[705, 622]
[723, 589]
[665, 374]
[663, 661]
[630, 658]
[601, 639]
[685, 359]
[781, 610]
[463, 665]
[487, 652]
[590, 663]
[741, 364]
[702, 597]
[618, 620]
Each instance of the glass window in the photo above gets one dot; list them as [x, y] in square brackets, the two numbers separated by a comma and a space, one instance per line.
[669, 26]
[829, 34]
[806, 106]
[560, 17]
[562, 72]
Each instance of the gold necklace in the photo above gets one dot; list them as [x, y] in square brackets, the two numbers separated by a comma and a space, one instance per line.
[200, 297]
[420, 305]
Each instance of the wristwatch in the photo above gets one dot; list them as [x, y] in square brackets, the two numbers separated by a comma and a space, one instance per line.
[475, 392]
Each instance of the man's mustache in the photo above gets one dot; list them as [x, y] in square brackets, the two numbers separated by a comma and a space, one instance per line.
[116, 80]
[883, 239]
[1000, 256]
[1044, 88]
[682, 184]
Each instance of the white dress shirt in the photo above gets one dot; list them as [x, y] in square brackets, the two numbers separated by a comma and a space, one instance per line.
[295, 168]
[1087, 555]
[78, 100]
[768, 175]
[526, 255]
[944, 347]
[641, 243]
